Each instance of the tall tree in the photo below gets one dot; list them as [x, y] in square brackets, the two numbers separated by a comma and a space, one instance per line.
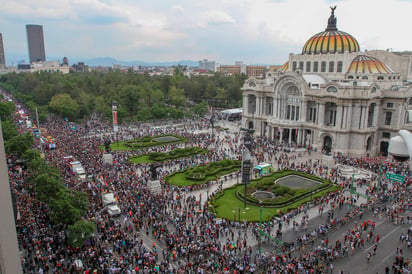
[64, 105]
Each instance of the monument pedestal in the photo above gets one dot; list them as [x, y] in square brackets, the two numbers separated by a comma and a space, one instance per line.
[154, 186]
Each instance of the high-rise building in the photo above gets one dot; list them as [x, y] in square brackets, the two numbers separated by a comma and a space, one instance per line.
[2, 58]
[35, 40]
[207, 65]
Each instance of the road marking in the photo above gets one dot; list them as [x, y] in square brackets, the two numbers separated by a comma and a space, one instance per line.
[383, 238]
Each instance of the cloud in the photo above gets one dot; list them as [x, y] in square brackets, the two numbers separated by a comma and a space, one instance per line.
[97, 12]
[215, 17]
[256, 31]
[178, 8]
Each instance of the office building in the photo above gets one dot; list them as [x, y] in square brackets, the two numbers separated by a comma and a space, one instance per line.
[333, 97]
[251, 71]
[208, 65]
[35, 40]
[2, 58]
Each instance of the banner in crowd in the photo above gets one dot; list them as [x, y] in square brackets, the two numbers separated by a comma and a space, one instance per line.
[114, 113]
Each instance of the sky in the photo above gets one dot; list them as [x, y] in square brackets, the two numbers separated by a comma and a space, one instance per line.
[252, 31]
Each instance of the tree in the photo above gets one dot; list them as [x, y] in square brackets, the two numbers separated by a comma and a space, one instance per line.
[9, 130]
[144, 114]
[159, 111]
[222, 97]
[6, 109]
[200, 109]
[65, 106]
[80, 232]
[63, 209]
[47, 187]
[30, 155]
[81, 200]
[176, 97]
[19, 144]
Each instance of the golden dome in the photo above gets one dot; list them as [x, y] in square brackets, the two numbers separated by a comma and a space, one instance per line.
[285, 67]
[363, 64]
[331, 40]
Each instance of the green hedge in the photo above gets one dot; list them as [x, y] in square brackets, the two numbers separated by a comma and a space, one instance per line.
[144, 142]
[164, 156]
[201, 174]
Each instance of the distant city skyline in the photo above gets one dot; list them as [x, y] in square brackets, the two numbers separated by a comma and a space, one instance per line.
[256, 32]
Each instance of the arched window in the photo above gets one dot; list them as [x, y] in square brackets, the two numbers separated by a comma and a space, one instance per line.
[308, 66]
[350, 77]
[332, 89]
[323, 67]
[340, 65]
[373, 90]
[380, 77]
[315, 67]
[301, 65]
[331, 66]
[294, 66]
[365, 77]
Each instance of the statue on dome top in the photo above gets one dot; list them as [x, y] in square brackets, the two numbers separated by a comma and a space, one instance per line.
[333, 10]
[332, 20]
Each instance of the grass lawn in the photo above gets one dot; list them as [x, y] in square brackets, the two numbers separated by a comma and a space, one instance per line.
[141, 159]
[225, 204]
[145, 142]
[165, 156]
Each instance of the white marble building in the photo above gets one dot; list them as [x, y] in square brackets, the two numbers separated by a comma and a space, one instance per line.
[333, 97]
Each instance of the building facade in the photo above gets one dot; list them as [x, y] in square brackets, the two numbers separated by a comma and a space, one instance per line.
[332, 97]
[251, 71]
[208, 65]
[35, 40]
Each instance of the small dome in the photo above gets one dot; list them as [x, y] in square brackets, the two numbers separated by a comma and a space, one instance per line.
[285, 67]
[363, 64]
[331, 40]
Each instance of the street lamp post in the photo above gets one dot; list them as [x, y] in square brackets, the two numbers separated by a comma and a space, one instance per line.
[246, 159]
[260, 229]
[351, 187]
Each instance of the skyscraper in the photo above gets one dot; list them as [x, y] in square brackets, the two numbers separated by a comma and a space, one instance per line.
[2, 58]
[35, 40]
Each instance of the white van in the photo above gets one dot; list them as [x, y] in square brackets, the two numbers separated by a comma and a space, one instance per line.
[108, 199]
[114, 210]
[110, 204]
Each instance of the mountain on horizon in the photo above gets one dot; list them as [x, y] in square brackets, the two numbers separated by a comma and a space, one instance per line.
[109, 61]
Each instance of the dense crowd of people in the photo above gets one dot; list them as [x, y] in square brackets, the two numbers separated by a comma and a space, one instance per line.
[185, 236]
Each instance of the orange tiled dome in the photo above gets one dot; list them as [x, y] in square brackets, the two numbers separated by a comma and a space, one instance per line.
[331, 40]
[363, 64]
[285, 67]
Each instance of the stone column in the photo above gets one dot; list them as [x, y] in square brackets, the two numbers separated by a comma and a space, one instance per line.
[280, 135]
[349, 115]
[245, 104]
[321, 113]
[290, 136]
[375, 116]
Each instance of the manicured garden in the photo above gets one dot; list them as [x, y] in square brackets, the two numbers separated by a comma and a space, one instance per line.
[202, 174]
[164, 156]
[147, 141]
[228, 202]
